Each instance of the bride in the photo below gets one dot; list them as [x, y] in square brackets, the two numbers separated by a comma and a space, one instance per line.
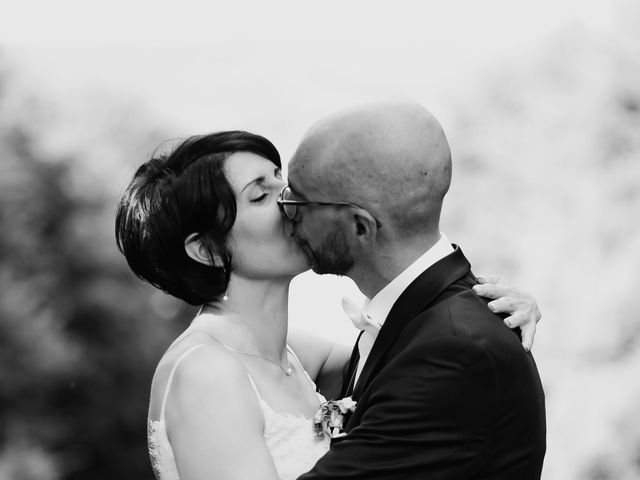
[234, 395]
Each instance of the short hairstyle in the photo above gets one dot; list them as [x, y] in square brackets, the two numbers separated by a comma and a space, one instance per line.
[174, 195]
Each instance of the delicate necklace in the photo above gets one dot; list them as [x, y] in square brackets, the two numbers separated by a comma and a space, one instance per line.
[287, 371]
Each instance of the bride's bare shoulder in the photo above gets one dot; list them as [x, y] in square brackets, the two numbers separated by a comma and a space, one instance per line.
[202, 373]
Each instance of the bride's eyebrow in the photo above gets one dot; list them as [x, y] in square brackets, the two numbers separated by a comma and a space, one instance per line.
[257, 181]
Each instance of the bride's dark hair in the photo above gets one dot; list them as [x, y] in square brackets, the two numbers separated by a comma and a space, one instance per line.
[174, 195]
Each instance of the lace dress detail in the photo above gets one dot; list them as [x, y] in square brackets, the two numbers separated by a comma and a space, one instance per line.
[289, 437]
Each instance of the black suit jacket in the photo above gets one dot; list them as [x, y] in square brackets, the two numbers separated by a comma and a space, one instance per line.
[447, 392]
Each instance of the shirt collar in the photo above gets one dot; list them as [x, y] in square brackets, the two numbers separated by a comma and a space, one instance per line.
[380, 305]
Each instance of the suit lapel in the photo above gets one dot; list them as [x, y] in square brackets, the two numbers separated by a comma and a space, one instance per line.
[418, 295]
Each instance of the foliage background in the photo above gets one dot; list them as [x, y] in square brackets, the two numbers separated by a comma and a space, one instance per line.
[545, 131]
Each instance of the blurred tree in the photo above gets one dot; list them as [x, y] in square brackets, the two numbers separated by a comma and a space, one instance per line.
[547, 165]
[77, 342]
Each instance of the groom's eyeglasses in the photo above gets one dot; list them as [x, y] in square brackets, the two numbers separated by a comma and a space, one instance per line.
[289, 208]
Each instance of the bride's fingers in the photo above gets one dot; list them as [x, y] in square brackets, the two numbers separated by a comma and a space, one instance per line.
[527, 320]
[528, 333]
[516, 320]
[527, 310]
[522, 309]
[491, 290]
[483, 279]
[503, 305]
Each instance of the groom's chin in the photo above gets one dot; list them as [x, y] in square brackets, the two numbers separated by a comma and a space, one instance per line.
[333, 267]
[319, 270]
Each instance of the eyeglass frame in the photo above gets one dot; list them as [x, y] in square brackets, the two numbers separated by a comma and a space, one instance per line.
[281, 201]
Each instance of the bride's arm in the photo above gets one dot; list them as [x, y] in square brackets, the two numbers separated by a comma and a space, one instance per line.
[214, 421]
[323, 359]
[519, 308]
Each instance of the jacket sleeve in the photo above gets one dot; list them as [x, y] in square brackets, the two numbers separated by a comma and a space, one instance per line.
[428, 416]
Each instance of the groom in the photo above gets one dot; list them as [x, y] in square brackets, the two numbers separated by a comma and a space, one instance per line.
[443, 389]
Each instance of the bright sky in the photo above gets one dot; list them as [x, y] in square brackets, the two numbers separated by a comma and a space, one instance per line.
[272, 67]
[289, 24]
[275, 66]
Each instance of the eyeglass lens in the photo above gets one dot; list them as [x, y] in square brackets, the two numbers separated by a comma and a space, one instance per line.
[289, 210]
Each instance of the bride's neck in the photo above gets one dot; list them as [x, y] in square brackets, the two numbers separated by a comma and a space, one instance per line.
[253, 319]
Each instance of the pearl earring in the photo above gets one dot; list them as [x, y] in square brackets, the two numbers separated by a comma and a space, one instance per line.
[225, 297]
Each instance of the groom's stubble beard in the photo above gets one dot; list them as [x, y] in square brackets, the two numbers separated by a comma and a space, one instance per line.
[332, 256]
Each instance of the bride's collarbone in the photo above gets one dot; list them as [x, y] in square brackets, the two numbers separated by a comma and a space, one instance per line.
[285, 394]
[292, 394]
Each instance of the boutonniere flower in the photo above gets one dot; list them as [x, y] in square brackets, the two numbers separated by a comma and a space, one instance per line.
[331, 417]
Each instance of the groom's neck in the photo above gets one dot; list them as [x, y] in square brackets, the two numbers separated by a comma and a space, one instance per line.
[374, 272]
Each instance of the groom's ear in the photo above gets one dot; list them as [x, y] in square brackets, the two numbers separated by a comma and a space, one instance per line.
[365, 226]
[198, 251]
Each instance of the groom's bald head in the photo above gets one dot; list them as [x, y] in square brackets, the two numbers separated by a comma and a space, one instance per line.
[391, 158]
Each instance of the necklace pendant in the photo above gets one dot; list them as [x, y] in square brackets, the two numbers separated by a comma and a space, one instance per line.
[288, 371]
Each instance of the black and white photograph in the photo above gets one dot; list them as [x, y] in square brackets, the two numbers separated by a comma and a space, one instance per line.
[329, 240]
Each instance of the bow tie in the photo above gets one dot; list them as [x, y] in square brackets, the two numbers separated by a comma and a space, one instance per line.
[360, 320]
[370, 328]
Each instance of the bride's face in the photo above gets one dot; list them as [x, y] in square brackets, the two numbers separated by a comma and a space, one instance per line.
[260, 238]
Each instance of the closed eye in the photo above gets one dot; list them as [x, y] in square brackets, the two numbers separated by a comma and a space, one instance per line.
[260, 198]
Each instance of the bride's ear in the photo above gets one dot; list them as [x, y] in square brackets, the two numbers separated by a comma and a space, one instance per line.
[199, 252]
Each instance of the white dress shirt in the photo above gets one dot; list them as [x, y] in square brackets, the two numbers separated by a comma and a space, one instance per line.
[377, 309]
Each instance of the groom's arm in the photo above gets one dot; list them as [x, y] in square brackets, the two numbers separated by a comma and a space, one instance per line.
[429, 417]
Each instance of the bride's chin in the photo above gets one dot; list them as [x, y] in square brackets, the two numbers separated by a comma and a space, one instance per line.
[301, 265]
[301, 257]
[300, 271]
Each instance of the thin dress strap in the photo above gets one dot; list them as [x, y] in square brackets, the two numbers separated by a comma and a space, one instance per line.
[306, 374]
[253, 383]
[173, 371]
[255, 388]
[290, 350]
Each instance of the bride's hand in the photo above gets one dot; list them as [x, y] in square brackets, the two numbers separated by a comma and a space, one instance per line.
[521, 307]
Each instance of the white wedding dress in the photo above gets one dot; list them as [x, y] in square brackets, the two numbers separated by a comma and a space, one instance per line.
[289, 437]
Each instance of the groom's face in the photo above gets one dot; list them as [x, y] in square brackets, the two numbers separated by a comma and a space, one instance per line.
[320, 230]
[330, 254]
